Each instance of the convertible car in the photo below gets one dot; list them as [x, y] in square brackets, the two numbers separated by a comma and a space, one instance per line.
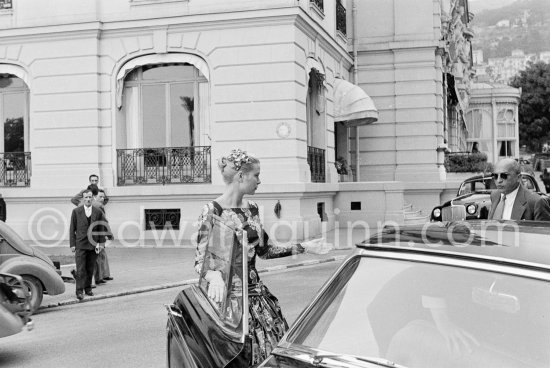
[14, 305]
[36, 269]
[461, 294]
[473, 199]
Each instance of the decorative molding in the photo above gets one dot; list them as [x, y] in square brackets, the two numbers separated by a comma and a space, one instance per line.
[154, 2]
[315, 9]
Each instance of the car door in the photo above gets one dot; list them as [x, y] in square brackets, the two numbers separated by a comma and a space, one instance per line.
[203, 333]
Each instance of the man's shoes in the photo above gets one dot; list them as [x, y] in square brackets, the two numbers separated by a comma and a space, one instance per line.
[100, 282]
[89, 293]
[79, 295]
[107, 278]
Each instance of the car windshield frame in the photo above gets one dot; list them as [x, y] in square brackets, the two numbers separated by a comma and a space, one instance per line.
[309, 318]
[466, 186]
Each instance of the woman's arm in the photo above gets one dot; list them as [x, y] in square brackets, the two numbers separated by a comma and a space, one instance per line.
[204, 225]
[267, 250]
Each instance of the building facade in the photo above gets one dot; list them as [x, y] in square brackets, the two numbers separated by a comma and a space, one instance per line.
[414, 59]
[149, 93]
[492, 120]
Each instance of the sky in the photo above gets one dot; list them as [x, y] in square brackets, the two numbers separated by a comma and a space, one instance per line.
[478, 5]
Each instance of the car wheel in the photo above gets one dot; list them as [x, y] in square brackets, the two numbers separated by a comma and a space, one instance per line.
[35, 289]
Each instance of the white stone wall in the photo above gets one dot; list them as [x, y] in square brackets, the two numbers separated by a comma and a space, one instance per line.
[399, 69]
[257, 61]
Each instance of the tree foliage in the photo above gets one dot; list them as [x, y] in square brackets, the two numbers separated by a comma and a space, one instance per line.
[534, 108]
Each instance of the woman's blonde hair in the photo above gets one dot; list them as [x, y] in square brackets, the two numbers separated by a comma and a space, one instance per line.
[237, 160]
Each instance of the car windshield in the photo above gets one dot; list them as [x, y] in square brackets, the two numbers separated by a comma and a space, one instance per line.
[428, 315]
[476, 186]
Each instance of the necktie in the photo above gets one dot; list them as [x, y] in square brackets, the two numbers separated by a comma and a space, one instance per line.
[500, 208]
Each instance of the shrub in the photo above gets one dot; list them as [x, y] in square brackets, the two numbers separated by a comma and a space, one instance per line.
[467, 162]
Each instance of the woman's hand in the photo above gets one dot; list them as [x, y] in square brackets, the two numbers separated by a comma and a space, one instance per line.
[317, 246]
[216, 285]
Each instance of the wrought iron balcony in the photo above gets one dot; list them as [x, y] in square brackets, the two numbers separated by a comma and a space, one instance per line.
[318, 3]
[340, 17]
[15, 169]
[165, 165]
[316, 162]
[6, 4]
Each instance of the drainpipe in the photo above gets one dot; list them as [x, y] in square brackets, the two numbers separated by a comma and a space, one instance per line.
[355, 80]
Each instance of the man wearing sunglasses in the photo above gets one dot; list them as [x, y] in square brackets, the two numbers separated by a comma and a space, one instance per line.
[511, 201]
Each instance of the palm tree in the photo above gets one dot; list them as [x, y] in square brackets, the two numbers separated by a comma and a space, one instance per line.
[188, 104]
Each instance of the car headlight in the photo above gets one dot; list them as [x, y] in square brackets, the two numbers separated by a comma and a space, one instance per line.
[471, 209]
[437, 213]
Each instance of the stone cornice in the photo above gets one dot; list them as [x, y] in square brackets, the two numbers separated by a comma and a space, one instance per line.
[62, 32]
[393, 46]
[487, 101]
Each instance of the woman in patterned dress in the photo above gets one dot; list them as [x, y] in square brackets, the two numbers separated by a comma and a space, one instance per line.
[241, 174]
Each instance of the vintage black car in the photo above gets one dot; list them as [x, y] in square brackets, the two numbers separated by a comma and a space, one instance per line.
[438, 295]
[545, 177]
[473, 199]
[464, 294]
[205, 334]
[15, 307]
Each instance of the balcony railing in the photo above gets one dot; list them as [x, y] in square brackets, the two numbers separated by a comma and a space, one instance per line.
[6, 4]
[340, 17]
[165, 165]
[316, 161]
[15, 169]
[318, 3]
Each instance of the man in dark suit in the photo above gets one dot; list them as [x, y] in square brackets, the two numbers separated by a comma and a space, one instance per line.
[87, 234]
[94, 180]
[512, 201]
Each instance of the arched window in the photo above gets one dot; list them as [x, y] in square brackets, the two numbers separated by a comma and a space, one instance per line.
[14, 135]
[160, 106]
[160, 135]
[14, 97]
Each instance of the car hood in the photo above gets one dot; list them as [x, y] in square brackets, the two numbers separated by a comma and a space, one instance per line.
[43, 256]
[15, 240]
[476, 197]
[19, 244]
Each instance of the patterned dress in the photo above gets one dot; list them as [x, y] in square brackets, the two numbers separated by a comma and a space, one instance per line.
[266, 322]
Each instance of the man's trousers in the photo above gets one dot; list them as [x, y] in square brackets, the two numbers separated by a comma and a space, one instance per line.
[85, 263]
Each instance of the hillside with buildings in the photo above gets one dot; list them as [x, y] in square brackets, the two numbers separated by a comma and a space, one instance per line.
[509, 37]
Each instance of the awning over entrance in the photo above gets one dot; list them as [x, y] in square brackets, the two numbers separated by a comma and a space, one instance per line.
[352, 105]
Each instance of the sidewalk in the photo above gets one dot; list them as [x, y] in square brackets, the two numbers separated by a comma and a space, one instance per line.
[147, 268]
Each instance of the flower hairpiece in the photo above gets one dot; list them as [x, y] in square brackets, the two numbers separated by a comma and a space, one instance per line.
[238, 157]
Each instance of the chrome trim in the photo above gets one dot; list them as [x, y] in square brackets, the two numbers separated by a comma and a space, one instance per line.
[245, 286]
[475, 261]
[179, 335]
[171, 310]
[321, 291]
[453, 212]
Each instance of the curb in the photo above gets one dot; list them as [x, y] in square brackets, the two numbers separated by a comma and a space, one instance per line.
[181, 283]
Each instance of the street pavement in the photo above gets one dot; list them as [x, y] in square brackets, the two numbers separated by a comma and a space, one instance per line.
[146, 268]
